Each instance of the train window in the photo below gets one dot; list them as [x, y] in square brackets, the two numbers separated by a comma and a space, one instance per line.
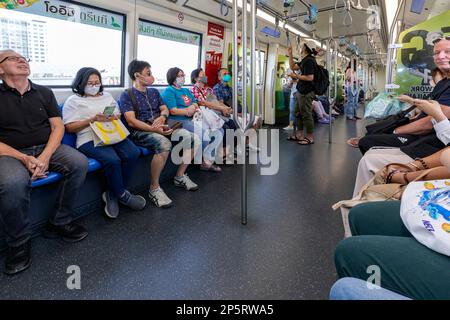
[92, 37]
[165, 47]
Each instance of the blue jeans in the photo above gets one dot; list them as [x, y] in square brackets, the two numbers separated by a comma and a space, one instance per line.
[15, 188]
[292, 107]
[118, 160]
[352, 102]
[356, 289]
[188, 124]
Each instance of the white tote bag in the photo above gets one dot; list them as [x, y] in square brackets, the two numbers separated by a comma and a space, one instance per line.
[108, 133]
[425, 211]
[211, 120]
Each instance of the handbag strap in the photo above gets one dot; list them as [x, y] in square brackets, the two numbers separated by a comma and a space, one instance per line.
[405, 112]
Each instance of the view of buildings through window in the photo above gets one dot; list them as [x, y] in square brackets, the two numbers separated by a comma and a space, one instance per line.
[55, 56]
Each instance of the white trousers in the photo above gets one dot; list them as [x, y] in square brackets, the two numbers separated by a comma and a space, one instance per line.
[374, 160]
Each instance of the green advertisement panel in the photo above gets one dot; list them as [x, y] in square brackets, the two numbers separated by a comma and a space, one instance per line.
[415, 59]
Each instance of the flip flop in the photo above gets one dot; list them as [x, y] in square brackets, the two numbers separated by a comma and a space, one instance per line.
[351, 142]
[308, 142]
[291, 138]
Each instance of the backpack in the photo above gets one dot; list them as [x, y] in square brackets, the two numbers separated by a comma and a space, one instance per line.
[321, 80]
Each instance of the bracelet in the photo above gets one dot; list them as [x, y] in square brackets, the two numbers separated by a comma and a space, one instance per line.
[415, 166]
[390, 175]
[405, 177]
[422, 162]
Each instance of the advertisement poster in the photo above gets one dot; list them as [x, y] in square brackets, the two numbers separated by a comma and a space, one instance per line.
[415, 59]
[214, 52]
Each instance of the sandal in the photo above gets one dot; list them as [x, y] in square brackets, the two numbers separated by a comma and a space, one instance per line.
[307, 142]
[353, 142]
[291, 138]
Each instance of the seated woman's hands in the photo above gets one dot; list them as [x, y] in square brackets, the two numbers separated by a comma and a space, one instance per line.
[226, 111]
[432, 108]
[100, 117]
[407, 99]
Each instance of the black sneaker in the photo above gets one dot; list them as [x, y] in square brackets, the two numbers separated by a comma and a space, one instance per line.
[70, 232]
[18, 259]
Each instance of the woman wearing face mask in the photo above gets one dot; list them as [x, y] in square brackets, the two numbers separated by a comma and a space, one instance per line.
[205, 97]
[183, 105]
[85, 107]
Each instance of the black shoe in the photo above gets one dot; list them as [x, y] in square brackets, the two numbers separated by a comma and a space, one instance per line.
[70, 232]
[18, 259]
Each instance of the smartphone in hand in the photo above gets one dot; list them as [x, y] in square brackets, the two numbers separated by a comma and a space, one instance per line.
[109, 111]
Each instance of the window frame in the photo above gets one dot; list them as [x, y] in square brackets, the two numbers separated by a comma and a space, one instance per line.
[200, 47]
[123, 45]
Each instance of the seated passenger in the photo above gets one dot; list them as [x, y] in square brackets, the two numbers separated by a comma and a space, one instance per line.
[222, 90]
[31, 131]
[356, 289]
[224, 94]
[146, 115]
[381, 239]
[318, 108]
[183, 106]
[436, 77]
[205, 97]
[419, 131]
[375, 159]
[82, 109]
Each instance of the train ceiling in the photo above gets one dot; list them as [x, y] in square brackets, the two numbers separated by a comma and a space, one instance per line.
[356, 31]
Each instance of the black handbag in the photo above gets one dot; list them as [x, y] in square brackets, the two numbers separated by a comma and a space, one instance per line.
[390, 123]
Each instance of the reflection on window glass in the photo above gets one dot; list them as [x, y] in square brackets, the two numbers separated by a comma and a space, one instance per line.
[164, 48]
[91, 37]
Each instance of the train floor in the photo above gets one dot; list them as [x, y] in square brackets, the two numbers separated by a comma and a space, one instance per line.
[198, 249]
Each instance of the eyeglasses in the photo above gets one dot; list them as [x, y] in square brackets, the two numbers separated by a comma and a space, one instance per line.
[15, 59]
[441, 38]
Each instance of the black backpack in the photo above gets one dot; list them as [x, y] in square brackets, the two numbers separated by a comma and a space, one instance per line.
[321, 80]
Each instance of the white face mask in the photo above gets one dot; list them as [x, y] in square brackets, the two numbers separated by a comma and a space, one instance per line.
[91, 91]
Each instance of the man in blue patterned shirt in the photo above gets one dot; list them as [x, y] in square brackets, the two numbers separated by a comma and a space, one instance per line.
[146, 115]
[222, 91]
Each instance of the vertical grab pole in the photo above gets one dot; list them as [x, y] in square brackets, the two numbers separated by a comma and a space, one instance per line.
[332, 45]
[244, 124]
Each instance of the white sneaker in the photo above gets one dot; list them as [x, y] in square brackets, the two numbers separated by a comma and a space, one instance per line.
[288, 128]
[159, 198]
[253, 148]
[185, 182]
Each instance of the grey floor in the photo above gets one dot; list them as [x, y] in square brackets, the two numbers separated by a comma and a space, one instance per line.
[199, 250]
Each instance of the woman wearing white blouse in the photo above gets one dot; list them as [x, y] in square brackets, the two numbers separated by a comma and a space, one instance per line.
[87, 106]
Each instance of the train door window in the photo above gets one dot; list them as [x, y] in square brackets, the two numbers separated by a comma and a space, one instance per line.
[165, 47]
[92, 37]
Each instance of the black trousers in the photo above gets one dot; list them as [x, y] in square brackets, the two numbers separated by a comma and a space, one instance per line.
[386, 140]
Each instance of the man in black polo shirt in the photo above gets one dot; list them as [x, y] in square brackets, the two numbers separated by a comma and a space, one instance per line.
[306, 93]
[31, 130]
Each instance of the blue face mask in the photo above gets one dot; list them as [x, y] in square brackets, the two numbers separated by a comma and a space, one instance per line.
[204, 79]
[226, 78]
